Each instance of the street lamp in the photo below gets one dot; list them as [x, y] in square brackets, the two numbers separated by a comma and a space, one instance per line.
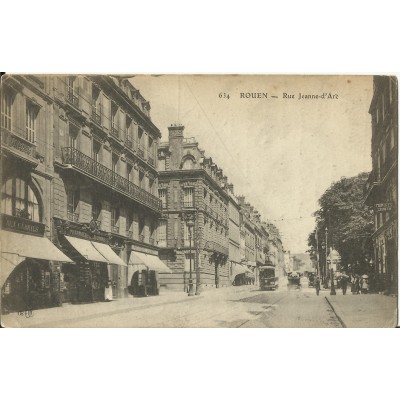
[190, 225]
[333, 292]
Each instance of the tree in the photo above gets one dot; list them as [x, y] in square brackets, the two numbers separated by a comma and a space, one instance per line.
[350, 223]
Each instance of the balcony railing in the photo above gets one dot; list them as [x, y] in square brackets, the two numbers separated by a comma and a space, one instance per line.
[72, 98]
[18, 142]
[90, 167]
[96, 116]
[115, 131]
[72, 216]
[188, 204]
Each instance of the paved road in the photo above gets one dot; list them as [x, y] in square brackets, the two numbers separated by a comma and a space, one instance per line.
[245, 307]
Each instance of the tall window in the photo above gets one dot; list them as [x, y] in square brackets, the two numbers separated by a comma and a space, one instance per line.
[128, 133]
[140, 140]
[96, 209]
[162, 194]
[115, 219]
[30, 122]
[186, 234]
[141, 228]
[19, 199]
[115, 163]
[151, 185]
[71, 90]
[96, 146]
[73, 136]
[114, 120]
[129, 172]
[188, 197]
[129, 222]
[6, 109]
[141, 180]
[162, 232]
[73, 204]
[96, 105]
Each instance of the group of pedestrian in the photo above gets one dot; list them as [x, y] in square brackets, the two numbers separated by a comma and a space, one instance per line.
[359, 284]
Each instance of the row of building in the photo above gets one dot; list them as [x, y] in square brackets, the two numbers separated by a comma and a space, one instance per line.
[91, 199]
[381, 191]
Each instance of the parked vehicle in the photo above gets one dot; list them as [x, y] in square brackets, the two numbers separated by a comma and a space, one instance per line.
[268, 280]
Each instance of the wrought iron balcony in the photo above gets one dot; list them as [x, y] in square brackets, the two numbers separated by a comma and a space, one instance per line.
[115, 131]
[18, 144]
[107, 177]
[72, 98]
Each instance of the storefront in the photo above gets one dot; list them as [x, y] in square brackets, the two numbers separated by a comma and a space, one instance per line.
[143, 270]
[30, 278]
[95, 263]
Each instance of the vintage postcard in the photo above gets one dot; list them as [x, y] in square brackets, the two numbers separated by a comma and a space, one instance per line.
[216, 201]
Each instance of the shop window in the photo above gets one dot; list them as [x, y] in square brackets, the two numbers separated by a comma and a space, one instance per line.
[20, 199]
[73, 197]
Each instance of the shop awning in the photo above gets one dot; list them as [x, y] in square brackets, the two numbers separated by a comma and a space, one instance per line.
[107, 252]
[30, 247]
[238, 269]
[150, 261]
[8, 263]
[86, 249]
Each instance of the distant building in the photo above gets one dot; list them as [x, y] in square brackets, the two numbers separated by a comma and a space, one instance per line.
[381, 189]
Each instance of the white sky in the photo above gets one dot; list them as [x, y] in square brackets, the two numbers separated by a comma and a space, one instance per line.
[282, 154]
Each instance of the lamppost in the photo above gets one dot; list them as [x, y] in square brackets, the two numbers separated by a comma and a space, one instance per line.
[333, 291]
[326, 259]
[196, 242]
[190, 225]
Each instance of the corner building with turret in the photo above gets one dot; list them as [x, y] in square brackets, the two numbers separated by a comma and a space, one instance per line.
[192, 188]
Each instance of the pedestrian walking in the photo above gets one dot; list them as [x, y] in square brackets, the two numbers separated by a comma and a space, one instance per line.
[317, 285]
[343, 282]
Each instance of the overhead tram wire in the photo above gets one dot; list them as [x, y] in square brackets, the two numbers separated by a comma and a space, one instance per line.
[215, 131]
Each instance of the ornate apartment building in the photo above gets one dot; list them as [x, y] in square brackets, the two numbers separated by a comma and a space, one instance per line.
[193, 231]
[381, 191]
[85, 152]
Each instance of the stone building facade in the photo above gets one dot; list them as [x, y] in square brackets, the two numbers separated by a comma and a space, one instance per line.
[87, 148]
[381, 191]
[192, 187]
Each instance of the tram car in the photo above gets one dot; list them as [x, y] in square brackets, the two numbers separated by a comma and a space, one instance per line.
[268, 280]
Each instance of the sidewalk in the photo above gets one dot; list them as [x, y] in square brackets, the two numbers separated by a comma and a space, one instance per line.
[50, 316]
[364, 310]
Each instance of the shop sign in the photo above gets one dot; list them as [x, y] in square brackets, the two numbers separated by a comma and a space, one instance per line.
[21, 225]
[383, 207]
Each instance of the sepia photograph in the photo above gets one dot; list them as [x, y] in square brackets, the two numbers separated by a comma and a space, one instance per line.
[199, 201]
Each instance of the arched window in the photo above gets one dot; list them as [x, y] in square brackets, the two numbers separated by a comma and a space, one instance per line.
[19, 199]
[188, 163]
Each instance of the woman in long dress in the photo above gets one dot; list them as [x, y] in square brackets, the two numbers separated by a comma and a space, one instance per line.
[108, 291]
